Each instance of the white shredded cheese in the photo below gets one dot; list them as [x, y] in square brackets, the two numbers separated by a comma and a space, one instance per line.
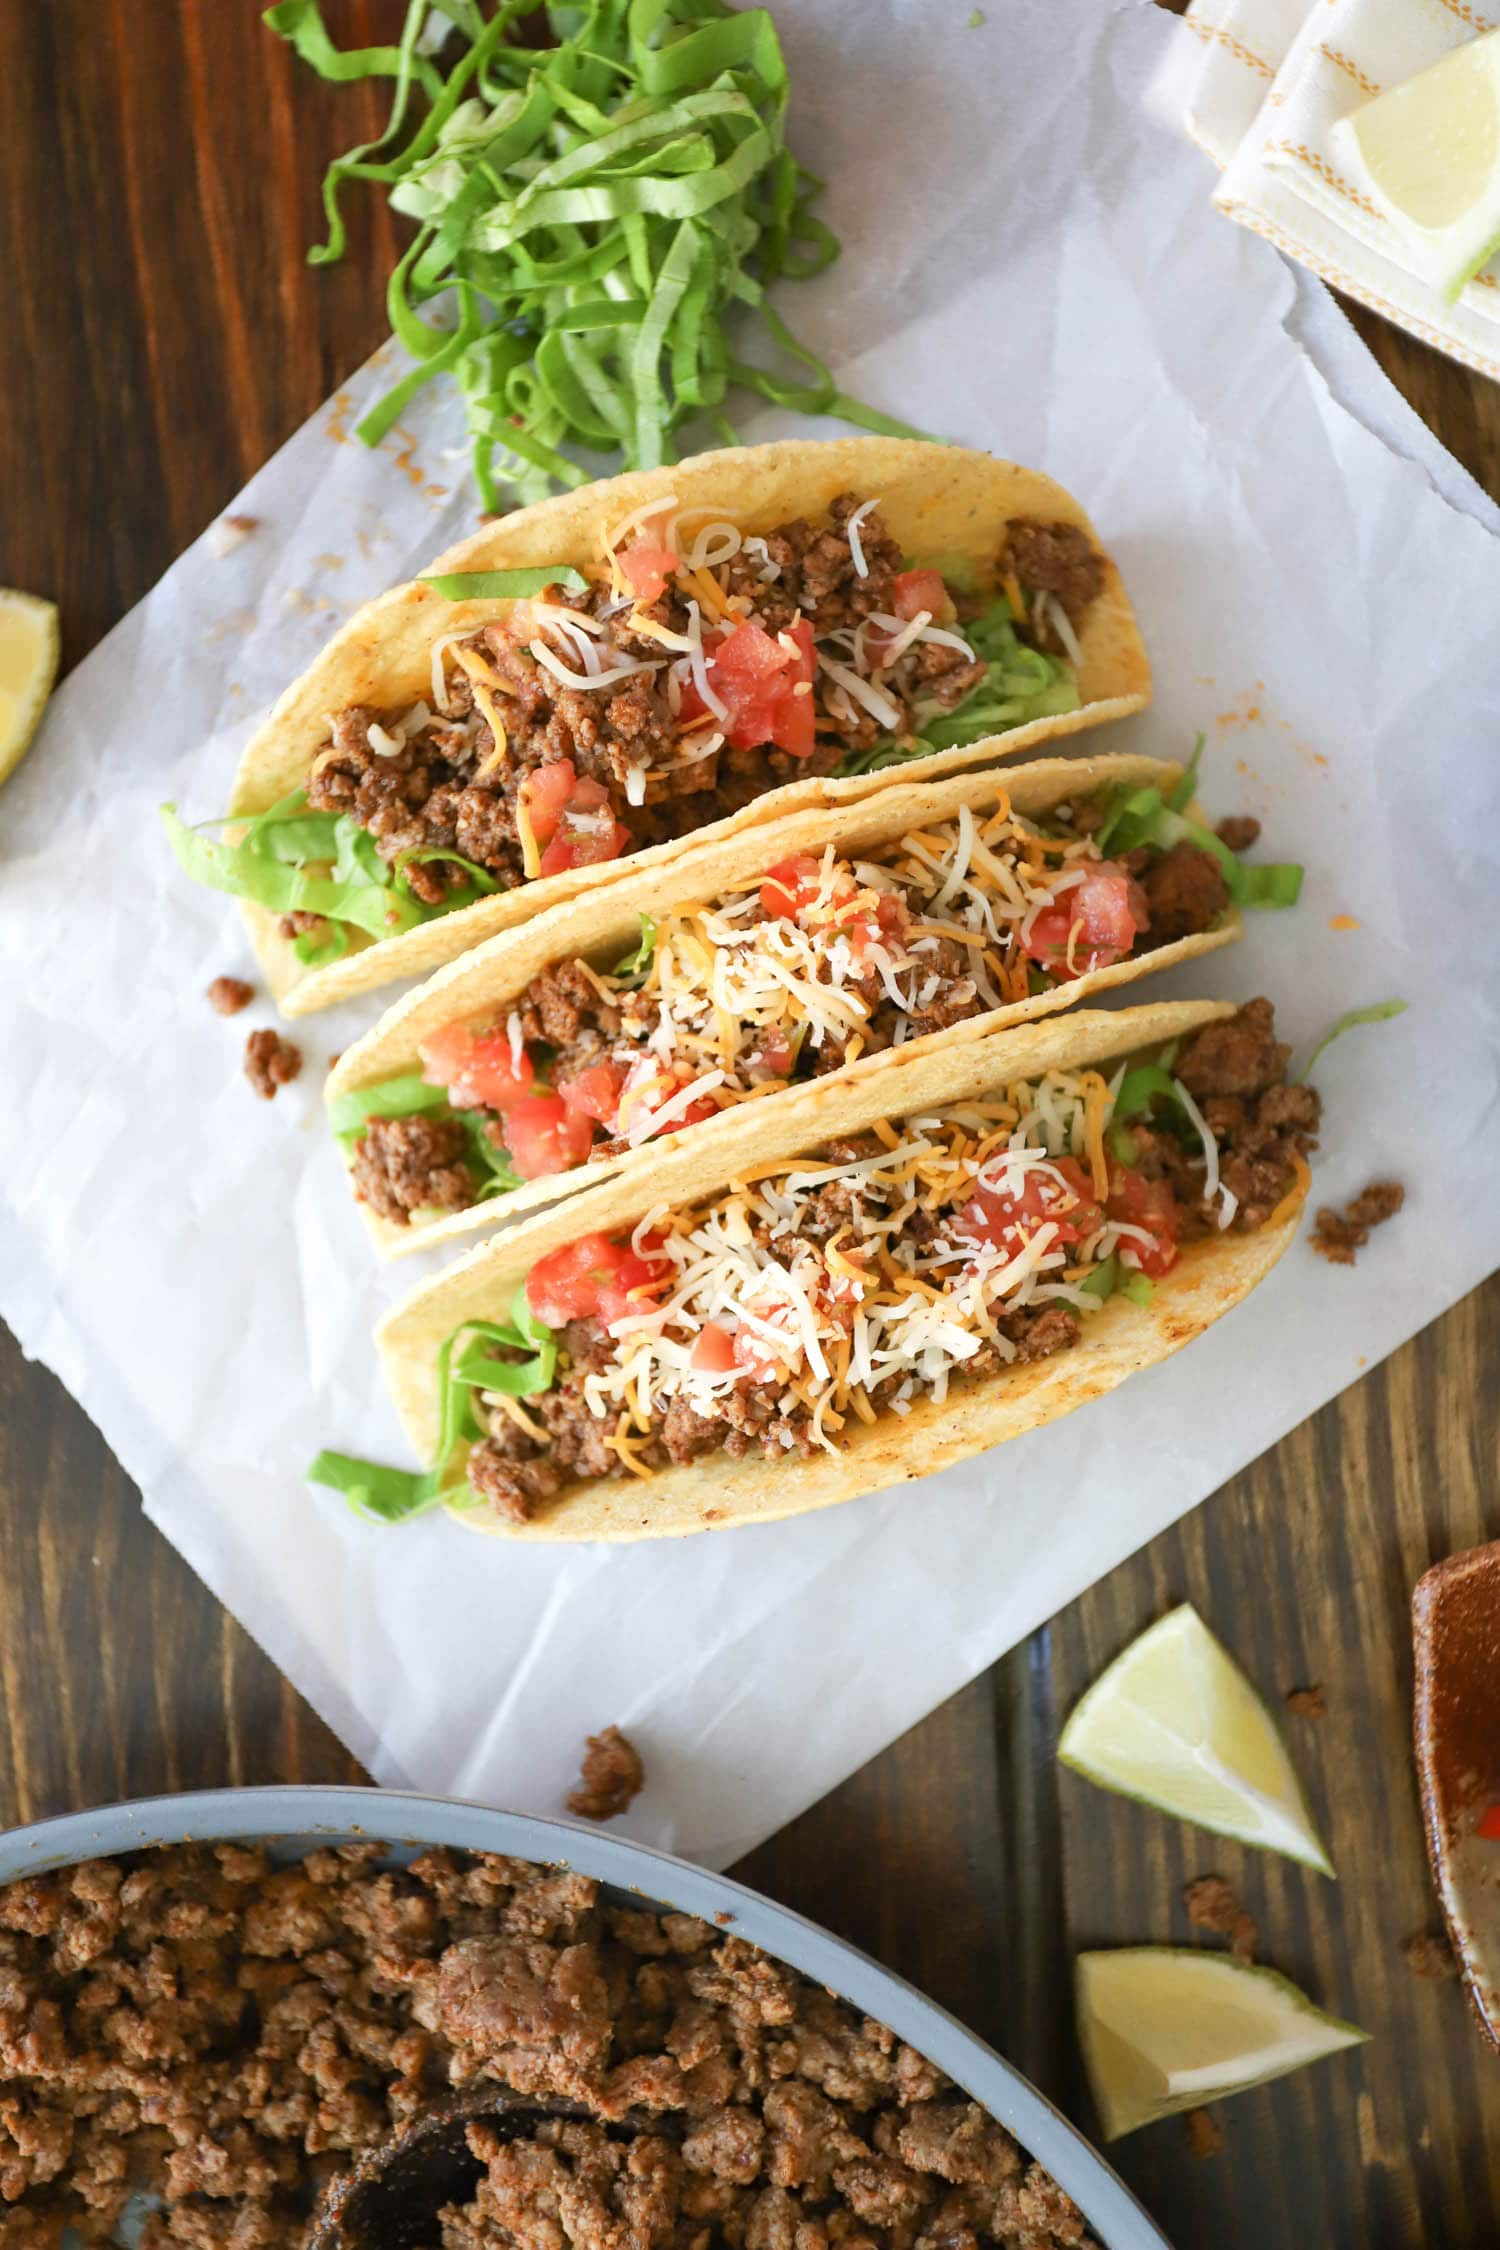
[869, 697]
[626, 669]
[856, 544]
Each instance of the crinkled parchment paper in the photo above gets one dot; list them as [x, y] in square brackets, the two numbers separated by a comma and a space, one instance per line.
[1032, 264]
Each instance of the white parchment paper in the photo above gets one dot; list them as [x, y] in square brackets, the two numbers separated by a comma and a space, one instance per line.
[1033, 265]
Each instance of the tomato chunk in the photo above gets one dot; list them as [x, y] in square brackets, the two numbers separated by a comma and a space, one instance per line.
[713, 1350]
[595, 1091]
[544, 1136]
[1140, 1202]
[479, 1073]
[595, 1278]
[1109, 909]
[1489, 1825]
[571, 818]
[790, 885]
[1007, 1219]
[765, 685]
[648, 566]
[916, 590]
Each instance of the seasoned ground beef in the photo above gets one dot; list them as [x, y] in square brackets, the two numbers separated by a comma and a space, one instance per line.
[1058, 559]
[1185, 892]
[271, 1062]
[1235, 1069]
[613, 1777]
[1212, 1905]
[564, 1008]
[406, 1164]
[230, 2036]
[1339, 1234]
[1239, 831]
[228, 996]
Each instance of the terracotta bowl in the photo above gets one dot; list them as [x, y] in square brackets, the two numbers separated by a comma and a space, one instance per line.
[1456, 1626]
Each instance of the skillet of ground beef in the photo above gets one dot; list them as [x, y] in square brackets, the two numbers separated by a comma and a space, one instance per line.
[231, 2035]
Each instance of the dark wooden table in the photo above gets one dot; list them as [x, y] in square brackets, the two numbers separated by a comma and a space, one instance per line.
[159, 170]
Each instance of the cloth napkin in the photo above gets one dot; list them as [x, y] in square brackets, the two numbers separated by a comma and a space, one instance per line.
[1259, 85]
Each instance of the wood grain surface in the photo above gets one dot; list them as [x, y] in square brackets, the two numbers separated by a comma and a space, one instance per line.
[159, 171]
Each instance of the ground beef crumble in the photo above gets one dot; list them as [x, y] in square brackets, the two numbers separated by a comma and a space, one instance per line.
[271, 1062]
[613, 1777]
[231, 2035]
[228, 996]
[406, 1164]
[1338, 1235]
[1306, 1702]
[1212, 1905]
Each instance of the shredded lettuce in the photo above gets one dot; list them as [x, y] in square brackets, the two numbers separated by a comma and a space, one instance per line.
[503, 585]
[1380, 1012]
[410, 1095]
[388, 1495]
[278, 862]
[596, 210]
[1020, 684]
[1134, 817]
[638, 960]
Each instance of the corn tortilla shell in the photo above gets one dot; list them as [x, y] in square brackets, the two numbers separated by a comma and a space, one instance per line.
[603, 925]
[936, 500]
[716, 1492]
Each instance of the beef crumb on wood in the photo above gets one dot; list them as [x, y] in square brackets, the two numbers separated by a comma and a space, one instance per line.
[271, 1062]
[227, 996]
[1429, 1956]
[1307, 1702]
[406, 1164]
[1205, 2133]
[230, 2036]
[1212, 1905]
[613, 1777]
[1338, 1235]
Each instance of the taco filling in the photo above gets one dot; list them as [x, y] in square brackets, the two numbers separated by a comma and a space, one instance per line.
[885, 1269]
[795, 973]
[688, 672]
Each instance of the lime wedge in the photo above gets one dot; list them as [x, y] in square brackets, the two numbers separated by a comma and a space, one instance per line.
[1167, 2027]
[1428, 152]
[28, 667]
[1175, 1723]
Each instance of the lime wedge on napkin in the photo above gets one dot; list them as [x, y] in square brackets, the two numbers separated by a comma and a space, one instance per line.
[1428, 152]
[1168, 2027]
[1175, 1723]
[28, 667]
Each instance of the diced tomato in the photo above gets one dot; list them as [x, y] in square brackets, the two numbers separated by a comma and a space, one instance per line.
[479, 1073]
[790, 885]
[760, 1359]
[916, 590]
[594, 1278]
[1009, 1220]
[1109, 905]
[888, 926]
[595, 1092]
[1489, 1825]
[648, 566]
[713, 1351]
[544, 1136]
[650, 1085]
[757, 678]
[571, 818]
[544, 793]
[1140, 1202]
[777, 1054]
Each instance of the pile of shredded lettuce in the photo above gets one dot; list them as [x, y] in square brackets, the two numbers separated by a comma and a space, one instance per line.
[590, 214]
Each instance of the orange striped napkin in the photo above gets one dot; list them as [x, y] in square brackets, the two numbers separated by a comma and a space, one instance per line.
[1259, 83]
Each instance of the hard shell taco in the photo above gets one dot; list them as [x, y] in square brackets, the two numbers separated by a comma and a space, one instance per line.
[592, 685]
[821, 942]
[868, 1280]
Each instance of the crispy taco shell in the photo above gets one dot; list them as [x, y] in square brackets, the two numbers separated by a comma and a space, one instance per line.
[715, 1492]
[602, 925]
[936, 500]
